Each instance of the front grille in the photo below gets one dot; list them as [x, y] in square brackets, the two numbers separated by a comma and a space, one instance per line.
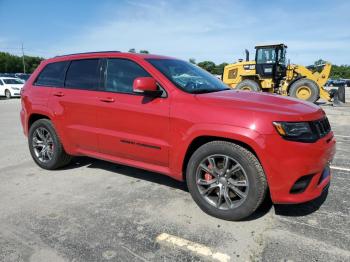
[321, 127]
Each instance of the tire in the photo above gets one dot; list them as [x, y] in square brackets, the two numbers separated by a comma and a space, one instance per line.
[7, 94]
[248, 85]
[250, 173]
[305, 89]
[340, 93]
[44, 131]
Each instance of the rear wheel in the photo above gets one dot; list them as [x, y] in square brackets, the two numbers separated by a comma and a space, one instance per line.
[305, 89]
[248, 85]
[7, 94]
[45, 146]
[226, 180]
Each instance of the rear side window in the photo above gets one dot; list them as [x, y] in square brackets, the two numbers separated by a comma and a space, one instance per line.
[121, 74]
[83, 74]
[52, 75]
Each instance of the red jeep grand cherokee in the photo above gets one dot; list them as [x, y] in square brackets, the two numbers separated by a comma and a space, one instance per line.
[169, 116]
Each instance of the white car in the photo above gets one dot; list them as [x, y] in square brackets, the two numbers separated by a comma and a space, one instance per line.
[10, 87]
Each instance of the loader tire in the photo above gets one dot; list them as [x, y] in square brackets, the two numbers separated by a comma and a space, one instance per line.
[305, 89]
[248, 85]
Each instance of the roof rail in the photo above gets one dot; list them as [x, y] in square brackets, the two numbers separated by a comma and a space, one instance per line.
[96, 52]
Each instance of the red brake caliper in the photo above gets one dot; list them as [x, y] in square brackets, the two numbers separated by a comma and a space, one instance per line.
[208, 176]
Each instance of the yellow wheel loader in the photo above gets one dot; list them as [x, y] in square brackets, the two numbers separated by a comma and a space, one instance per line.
[270, 72]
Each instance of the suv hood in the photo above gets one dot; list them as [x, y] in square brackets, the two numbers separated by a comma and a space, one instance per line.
[277, 106]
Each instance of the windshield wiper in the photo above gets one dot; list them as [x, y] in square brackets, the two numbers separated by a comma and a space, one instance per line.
[207, 90]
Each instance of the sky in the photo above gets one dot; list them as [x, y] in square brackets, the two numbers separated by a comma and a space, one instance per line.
[218, 31]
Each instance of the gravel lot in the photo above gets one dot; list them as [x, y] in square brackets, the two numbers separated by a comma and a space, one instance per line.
[99, 211]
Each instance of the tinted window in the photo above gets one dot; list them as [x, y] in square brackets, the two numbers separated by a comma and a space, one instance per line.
[121, 74]
[83, 74]
[52, 75]
[1, 82]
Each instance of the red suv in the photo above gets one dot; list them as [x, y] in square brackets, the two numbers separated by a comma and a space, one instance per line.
[169, 116]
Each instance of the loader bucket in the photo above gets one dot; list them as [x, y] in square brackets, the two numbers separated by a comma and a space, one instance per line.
[338, 96]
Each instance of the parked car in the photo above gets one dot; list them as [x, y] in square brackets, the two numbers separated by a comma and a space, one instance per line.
[336, 82]
[169, 116]
[8, 75]
[10, 87]
[24, 77]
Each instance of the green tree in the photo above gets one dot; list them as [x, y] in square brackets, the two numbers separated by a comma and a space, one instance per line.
[144, 52]
[13, 64]
[320, 62]
[342, 71]
[208, 65]
[132, 50]
[192, 61]
[219, 69]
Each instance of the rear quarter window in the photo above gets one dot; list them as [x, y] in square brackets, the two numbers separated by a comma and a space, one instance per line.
[52, 75]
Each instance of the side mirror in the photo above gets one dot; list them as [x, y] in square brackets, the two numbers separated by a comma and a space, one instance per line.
[146, 85]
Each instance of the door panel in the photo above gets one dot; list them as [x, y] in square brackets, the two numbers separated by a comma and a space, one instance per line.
[135, 127]
[75, 112]
[132, 126]
[75, 104]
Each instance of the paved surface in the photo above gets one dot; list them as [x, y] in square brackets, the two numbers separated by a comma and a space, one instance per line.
[98, 211]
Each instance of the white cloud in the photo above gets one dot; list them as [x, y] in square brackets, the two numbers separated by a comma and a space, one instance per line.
[218, 31]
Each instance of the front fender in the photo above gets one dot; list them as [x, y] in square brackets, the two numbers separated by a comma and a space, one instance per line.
[247, 136]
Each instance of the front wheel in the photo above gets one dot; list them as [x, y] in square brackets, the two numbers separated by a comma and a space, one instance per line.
[248, 85]
[226, 180]
[305, 89]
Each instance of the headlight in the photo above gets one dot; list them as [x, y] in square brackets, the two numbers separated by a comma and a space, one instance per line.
[296, 131]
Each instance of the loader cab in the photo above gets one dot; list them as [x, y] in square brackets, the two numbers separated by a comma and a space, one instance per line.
[271, 61]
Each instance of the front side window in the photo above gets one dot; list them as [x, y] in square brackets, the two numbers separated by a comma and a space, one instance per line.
[282, 56]
[83, 74]
[1, 84]
[52, 75]
[188, 77]
[121, 74]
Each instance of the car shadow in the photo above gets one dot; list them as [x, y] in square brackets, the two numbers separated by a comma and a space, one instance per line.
[303, 209]
[137, 173]
[279, 209]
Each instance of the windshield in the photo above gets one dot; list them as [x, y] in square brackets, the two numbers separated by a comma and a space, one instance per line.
[188, 77]
[266, 56]
[12, 81]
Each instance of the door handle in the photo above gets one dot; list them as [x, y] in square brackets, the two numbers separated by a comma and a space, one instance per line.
[107, 99]
[59, 94]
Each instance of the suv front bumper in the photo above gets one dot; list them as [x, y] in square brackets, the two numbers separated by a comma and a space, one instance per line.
[297, 172]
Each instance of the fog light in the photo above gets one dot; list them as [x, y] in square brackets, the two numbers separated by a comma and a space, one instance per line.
[301, 184]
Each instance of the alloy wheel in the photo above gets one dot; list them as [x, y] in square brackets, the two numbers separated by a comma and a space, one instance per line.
[222, 182]
[43, 144]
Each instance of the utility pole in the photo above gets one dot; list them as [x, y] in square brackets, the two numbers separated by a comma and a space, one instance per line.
[24, 65]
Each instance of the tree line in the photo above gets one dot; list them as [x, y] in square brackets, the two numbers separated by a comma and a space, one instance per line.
[14, 64]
